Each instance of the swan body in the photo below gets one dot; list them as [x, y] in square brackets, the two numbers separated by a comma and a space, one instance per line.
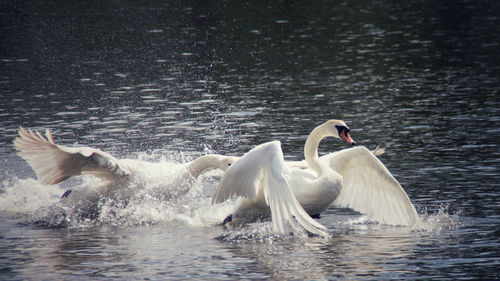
[262, 177]
[353, 178]
[53, 163]
[259, 177]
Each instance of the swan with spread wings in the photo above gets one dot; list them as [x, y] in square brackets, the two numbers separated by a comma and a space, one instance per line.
[54, 163]
[293, 192]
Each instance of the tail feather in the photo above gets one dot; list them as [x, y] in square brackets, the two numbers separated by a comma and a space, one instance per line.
[378, 151]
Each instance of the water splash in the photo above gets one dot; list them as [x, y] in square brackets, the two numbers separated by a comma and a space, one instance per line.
[159, 191]
[24, 196]
[440, 220]
[259, 232]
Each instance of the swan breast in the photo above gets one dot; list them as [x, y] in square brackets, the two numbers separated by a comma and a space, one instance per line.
[315, 195]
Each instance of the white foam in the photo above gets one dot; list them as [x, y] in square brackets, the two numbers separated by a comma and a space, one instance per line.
[156, 193]
[24, 196]
[441, 220]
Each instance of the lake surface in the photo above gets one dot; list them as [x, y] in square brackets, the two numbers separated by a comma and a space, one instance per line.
[164, 83]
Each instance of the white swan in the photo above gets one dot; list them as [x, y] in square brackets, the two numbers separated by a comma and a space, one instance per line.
[54, 163]
[352, 178]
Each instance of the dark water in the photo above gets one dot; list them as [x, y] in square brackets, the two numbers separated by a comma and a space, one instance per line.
[421, 78]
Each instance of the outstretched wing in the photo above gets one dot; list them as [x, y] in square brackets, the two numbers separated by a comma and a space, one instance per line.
[368, 187]
[258, 176]
[54, 163]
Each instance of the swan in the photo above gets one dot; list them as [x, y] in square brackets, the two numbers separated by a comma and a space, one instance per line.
[54, 163]
[295, 191]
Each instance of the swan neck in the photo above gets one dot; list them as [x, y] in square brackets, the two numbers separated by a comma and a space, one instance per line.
[200, 164]
[311, 148]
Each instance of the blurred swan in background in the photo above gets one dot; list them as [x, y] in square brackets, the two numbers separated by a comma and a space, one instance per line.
[293, 191]
[54, 163]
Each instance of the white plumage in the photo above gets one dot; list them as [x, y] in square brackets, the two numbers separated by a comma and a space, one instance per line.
[53, 163]
[261, 177]
[352, 178]
[287, 191]
[368, 187]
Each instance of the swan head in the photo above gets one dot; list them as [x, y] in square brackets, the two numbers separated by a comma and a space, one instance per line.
[339, 129]
[226, 161]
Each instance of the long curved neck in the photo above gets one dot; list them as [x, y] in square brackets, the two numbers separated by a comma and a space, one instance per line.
[311, 148]
[200, 164]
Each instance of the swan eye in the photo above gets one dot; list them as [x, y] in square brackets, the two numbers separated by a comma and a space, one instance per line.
[229, 164]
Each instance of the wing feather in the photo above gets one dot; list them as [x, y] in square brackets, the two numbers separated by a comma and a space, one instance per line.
[54, 163]
[369, 187]
[258, 175]
[244, 178]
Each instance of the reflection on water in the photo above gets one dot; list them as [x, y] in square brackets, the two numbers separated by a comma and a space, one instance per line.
[183, 78]
[162, 251]
[348, 254]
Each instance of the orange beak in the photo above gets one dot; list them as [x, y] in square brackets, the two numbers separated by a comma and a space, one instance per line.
[345, 136]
